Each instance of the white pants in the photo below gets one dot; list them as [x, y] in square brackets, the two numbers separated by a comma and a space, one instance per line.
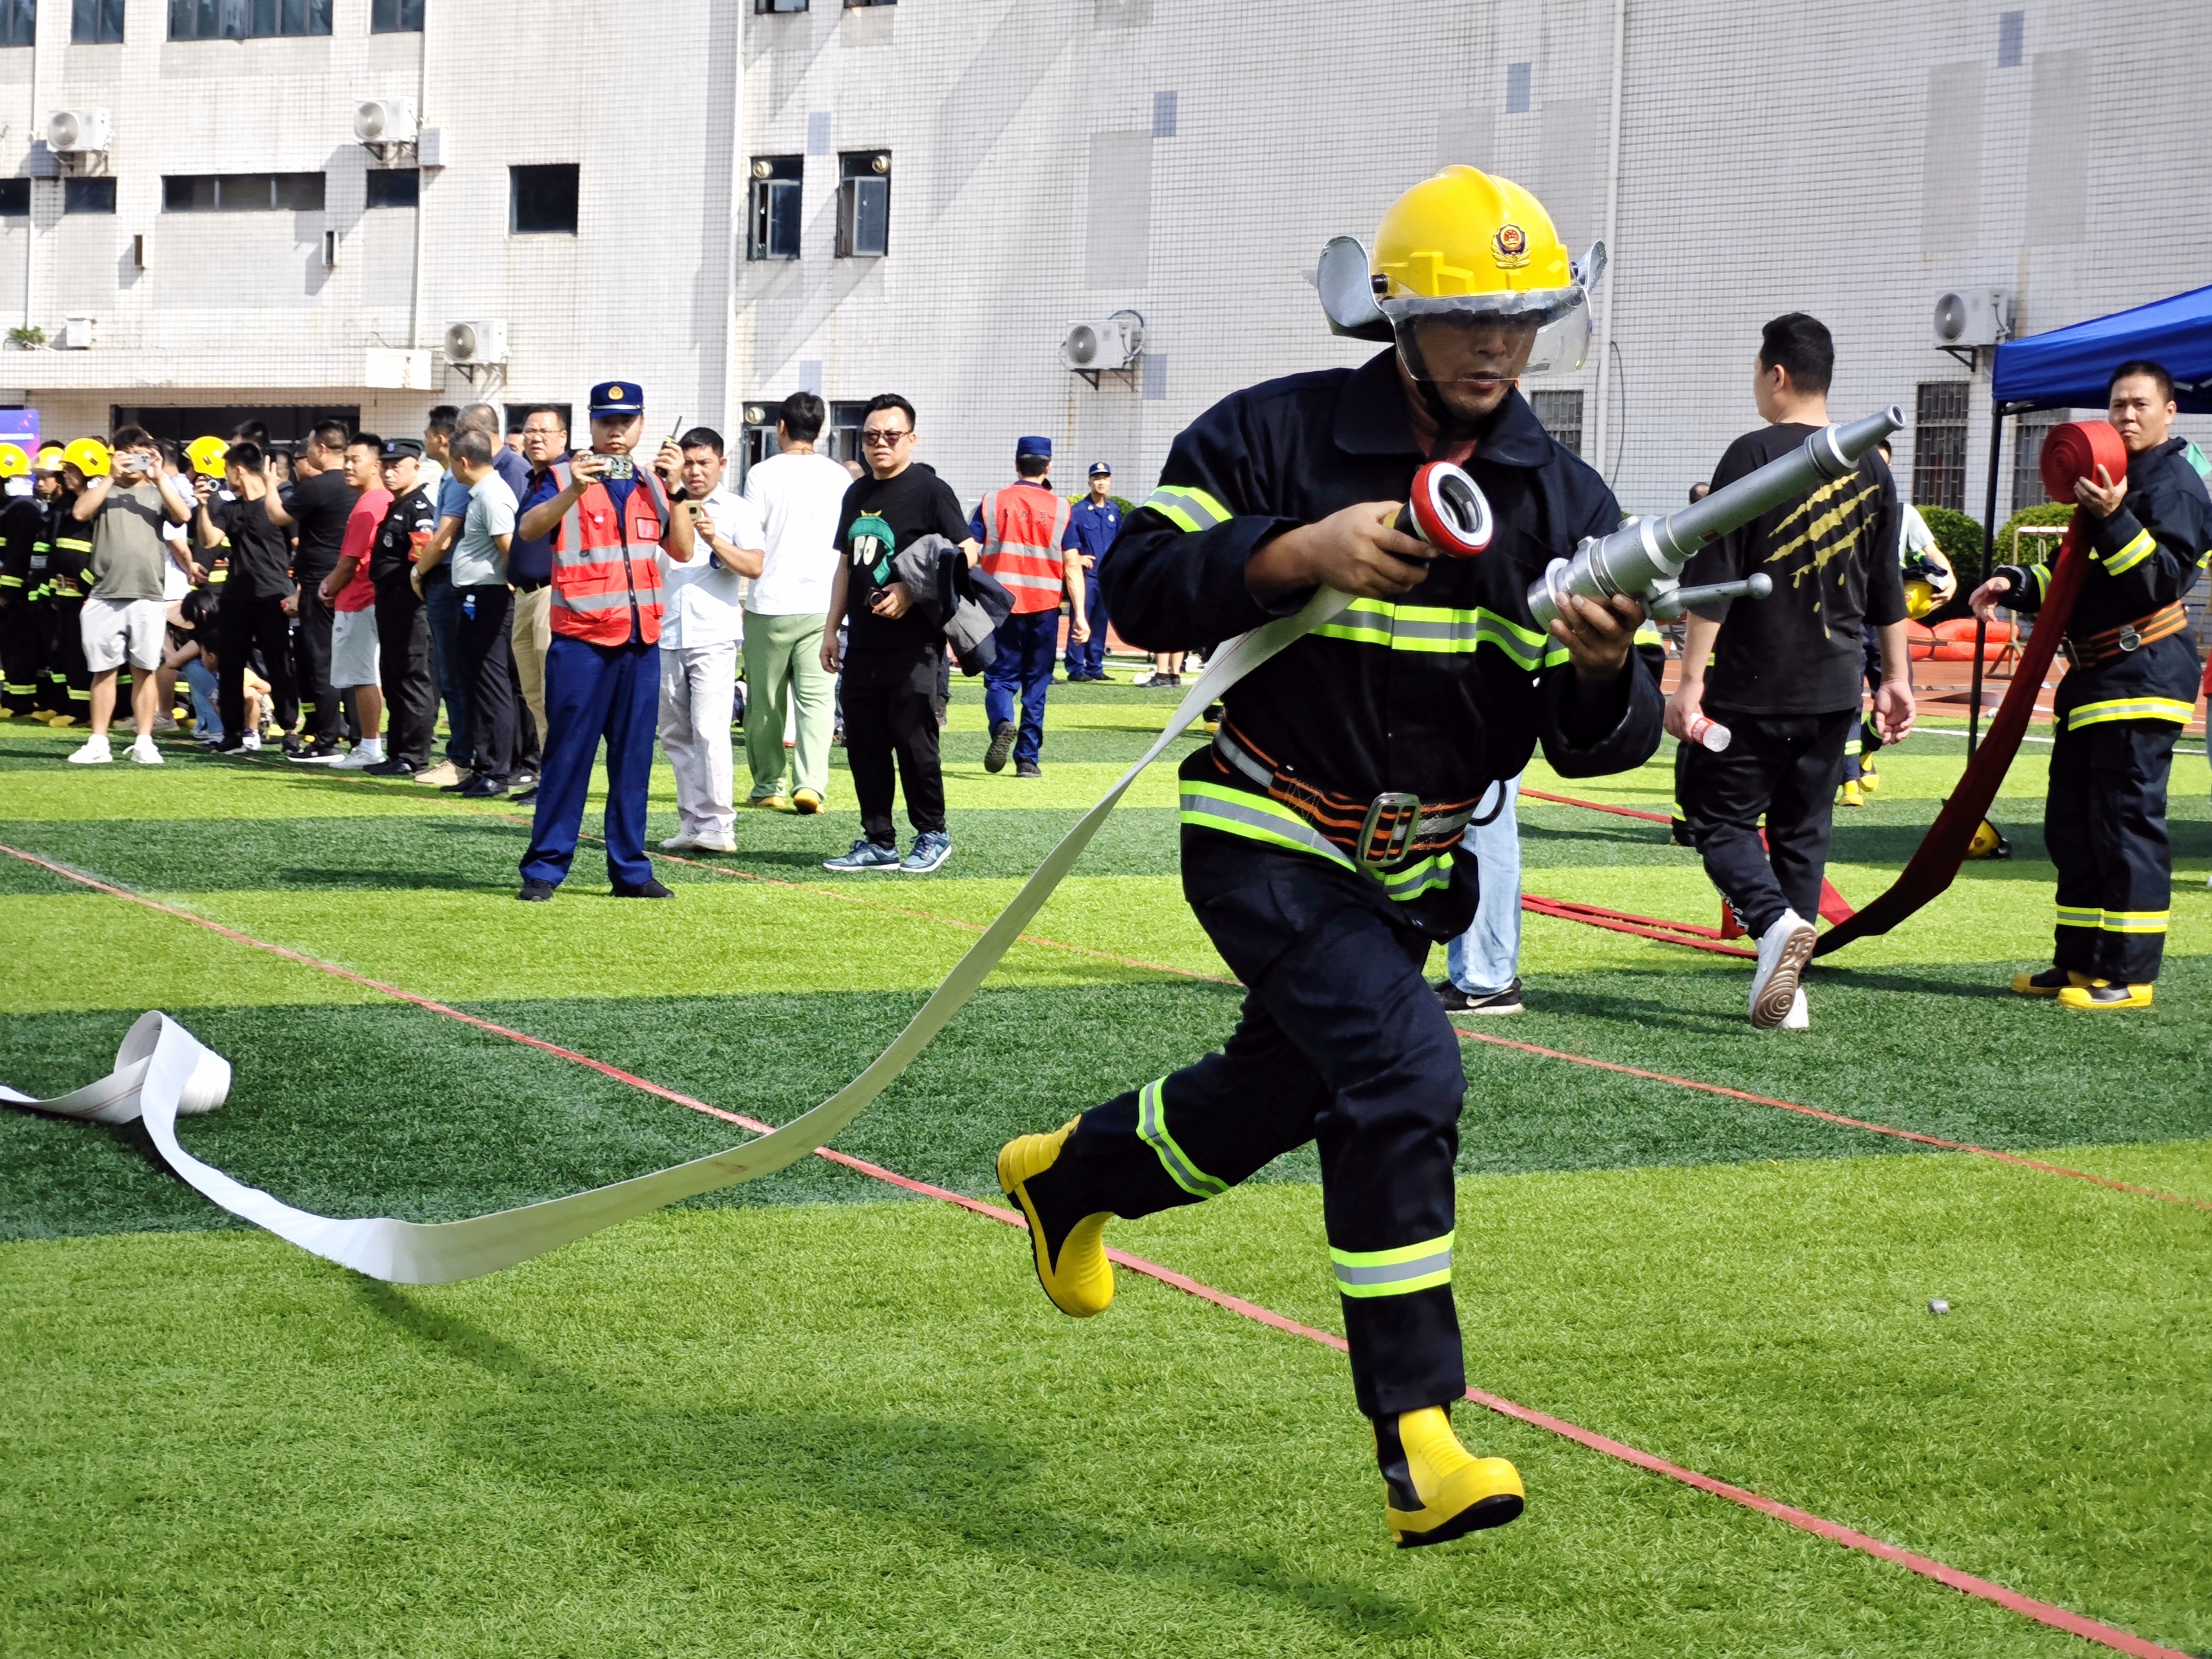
[698, 699]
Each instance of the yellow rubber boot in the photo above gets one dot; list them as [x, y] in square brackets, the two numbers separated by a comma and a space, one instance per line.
[1853, 795]
[2048, 983]
[1435, 1489]
[1072, 1268]
[2102, 994]
[1870, 779]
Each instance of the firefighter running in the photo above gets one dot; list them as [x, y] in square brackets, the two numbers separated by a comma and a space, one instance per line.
[2131, 687]
[1319, 827]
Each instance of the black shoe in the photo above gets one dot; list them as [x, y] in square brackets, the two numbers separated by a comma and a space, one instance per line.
[456, 789]
[394, 767]
[293, 748]
[524, 797]
[1028, 770]
[526, 777]
[320, 752]
[535, 892]
[646, 889]
[1002, 745]
[1457, 1001]
[481, 787]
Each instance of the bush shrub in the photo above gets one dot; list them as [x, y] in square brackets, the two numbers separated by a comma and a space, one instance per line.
[2036, 550]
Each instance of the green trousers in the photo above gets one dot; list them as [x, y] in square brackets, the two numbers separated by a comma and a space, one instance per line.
[783, 667]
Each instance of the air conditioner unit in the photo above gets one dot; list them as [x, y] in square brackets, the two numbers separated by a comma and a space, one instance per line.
[380, 121]
[1104, 345]
[1972, 317]
[76, 334]
[468, 344]
[77, 131]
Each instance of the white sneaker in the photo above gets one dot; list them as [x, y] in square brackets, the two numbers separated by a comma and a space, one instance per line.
[1799, 1018]
[715, 843]
[679, 841]
[1783, 950]
[249, 742]
[369, 752]
[145, 753]
[94, 753]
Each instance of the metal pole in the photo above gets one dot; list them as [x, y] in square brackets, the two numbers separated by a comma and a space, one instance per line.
[1602, 428]
[1989, 547]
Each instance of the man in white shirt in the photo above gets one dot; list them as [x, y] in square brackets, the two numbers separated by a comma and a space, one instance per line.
[701, 621]
[796, 495]
[484, 603]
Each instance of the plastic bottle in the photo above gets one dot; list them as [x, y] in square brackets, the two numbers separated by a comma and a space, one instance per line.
[1711, 733]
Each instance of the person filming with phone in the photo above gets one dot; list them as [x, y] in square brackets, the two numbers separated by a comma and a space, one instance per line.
[124, 617]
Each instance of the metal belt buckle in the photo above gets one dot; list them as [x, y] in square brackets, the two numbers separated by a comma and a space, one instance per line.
[2130, 639]
[1394, 815]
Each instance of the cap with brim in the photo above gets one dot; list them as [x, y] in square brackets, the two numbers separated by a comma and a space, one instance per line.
[1040, 448]
[402, 449]
[1100, 470]
[617, 397]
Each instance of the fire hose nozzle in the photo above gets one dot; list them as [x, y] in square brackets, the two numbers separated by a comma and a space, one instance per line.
[1644, 558]
[1672, 604]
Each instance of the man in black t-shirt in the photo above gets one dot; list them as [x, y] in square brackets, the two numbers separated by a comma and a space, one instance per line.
[254, 614]
[403, 628]
[891, 659]
[1782, 674]
[320, 501]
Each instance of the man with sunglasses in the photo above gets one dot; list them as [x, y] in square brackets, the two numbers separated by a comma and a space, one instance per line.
[893, 652]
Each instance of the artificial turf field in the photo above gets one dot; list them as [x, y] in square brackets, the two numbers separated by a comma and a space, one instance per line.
[814, 1415]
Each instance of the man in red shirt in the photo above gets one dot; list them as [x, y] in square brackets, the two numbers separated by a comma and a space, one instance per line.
[352, 599]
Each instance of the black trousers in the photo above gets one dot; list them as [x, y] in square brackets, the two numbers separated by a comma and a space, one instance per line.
[246, 624]
[68, 681]
[1784, 767]
[1341, 1042]
[320, 707]
[489, 662]
[403, 668]
[1869, 733]
[22, 653]
[2104, 822]
[891, 716]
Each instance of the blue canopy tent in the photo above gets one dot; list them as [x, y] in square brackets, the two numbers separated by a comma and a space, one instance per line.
[2068, 368]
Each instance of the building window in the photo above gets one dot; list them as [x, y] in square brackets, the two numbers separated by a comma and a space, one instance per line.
[15, 198]
[1939, 445]
[2012, 38]
[776, 186]
[854, 5]
[762, 7]
[394, 187]
[843, 431]
[542, 201]
[246, 20]
[96, 24]
[760, 433]
[1561, 415]
[395, 17]
[242, 193]
[864, 204]
[19, 22]
[88, 195]
[2028, 434]
[1519, 79]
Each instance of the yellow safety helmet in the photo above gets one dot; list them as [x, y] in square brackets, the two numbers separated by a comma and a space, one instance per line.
[15, 459]
[206, 456]
[1466, 245]
[1920, 597]
[89, 456]
[1988, 842]
[50, 458]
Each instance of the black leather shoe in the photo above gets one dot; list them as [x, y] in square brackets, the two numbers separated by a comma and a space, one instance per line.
[390, 769]
[646, 889]
[481, 787]
[535, 892]
[524, 797]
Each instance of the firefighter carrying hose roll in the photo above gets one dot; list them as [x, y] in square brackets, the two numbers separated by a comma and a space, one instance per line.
[1319, 827]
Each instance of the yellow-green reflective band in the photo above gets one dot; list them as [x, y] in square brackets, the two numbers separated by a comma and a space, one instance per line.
[1439, 628]
[2135, 921]
[1152, 1130]
[2071, 915]
[1187, 508]
[1418, 877]
[1647, 633]
[1393, 1273]
[2130, 708]
[2042, 578]
[1255, 818]
[11, 581]
[2141, 548]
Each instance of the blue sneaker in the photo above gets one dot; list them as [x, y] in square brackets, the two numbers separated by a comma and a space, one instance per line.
[865, 856]
[931, 849]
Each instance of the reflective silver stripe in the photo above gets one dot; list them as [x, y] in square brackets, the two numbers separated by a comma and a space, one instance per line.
[569, 601]
[1393, 1273]
[1152, 1130]
[1261, 820]
[1016, 578]
[1234, 753]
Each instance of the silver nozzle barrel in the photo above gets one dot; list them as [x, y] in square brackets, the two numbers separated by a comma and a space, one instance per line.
[1637, 556]
[1672, 606]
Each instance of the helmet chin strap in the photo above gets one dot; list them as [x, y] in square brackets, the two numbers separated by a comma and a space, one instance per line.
[1453, 432]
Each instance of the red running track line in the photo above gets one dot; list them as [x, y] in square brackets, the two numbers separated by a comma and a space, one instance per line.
[1831, 1117]
[1598, 806]
[2045, 1613]
[1620, 922]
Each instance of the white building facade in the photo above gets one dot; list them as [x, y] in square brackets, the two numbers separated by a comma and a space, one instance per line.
[729, 200]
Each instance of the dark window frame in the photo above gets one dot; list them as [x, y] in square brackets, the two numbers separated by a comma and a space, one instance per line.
[840, 429]
[400, 187]
[775, 207]
[249, 20]
[778, 8]
[13, 191]
[524, 181]
[97, 22]
[2028, 432]
[393, 17]
[1940, 410]
[245, 193]
[89, 196]
[864, 204]
[19, 22]
[1552, 411]
[859, 5]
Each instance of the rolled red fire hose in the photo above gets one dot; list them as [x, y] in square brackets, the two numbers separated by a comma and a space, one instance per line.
[2071, 452]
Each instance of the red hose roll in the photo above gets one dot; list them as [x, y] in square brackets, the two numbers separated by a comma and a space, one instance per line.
[2075, 451]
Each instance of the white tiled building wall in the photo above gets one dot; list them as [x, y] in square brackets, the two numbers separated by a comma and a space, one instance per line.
[1056, 160]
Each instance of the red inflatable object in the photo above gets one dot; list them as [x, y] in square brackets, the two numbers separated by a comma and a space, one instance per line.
[2075, 451]
[1962, 627]
[1963, 651]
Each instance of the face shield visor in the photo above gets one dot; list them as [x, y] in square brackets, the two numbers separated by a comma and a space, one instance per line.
[1480, 340]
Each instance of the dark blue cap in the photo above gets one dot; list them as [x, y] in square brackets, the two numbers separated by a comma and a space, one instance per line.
[1100, 470]
[617, 397]
[402, 449]
[1040, 447]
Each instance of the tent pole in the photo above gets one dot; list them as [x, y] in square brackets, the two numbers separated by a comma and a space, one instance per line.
[1989, 549]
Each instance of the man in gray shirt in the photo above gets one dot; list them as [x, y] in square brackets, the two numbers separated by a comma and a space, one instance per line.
[126, 616]
[479, 573]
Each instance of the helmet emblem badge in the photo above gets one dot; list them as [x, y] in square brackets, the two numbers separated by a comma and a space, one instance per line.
[1510, 248]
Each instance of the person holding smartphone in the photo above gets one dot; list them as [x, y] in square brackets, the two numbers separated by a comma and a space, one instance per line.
[125, 617]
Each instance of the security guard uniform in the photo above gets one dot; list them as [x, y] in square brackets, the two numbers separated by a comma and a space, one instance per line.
[1318, 838]
[2131, 687]
[1091, 528]
[402, 626]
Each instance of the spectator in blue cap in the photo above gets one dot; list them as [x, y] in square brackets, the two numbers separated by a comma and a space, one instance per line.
[1092, 527]
[1024, 531]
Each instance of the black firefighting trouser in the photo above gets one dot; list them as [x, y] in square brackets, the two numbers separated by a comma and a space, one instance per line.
[1784, 767]
[2104, 825]
[1342, 1043]
[23, 653]
[68, 681]
[322, 710]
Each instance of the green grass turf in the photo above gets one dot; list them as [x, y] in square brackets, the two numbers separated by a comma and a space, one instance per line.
[844, 1426]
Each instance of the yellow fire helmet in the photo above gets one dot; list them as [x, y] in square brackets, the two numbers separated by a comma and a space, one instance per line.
[1919, 597]
[206, 456]
[1465, 247]
[1988, 842]
[88, 456]
[50, 458]
[14, 460]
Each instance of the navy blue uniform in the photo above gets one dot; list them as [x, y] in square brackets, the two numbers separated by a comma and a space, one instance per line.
[1092, 529]
[1437, 694]
[2104, 818]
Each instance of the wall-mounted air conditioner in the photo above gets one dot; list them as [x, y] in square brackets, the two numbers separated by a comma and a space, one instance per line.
[471, 344]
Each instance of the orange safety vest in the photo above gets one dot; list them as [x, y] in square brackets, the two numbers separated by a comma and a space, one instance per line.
[603, 564]
[1022, 532]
